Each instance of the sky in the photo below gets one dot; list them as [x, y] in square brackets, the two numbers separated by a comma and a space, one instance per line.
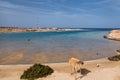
[60, 13]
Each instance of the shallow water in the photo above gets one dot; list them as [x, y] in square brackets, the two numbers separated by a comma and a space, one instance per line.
[32, 47]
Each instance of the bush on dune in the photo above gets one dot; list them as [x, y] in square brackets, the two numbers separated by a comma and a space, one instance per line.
[36, 71]
[114, 58]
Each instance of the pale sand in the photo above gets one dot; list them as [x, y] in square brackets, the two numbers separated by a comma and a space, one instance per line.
[108, 70]
[114, 35]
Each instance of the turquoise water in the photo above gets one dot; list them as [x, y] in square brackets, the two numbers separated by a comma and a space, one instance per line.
[85, 44]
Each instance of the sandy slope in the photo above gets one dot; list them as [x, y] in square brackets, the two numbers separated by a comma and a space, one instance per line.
[108, 70]
[114, 35]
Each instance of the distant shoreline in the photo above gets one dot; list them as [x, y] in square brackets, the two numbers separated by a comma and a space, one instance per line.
[19, 29]
[16, 29]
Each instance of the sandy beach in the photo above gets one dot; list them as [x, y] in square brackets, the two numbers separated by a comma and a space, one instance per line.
[59, 39]
[108, 70]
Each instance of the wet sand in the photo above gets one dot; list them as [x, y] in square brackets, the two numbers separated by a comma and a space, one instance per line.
[21, 57]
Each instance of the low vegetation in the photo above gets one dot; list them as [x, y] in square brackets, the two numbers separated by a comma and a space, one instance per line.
[114, 58]
[36, 71]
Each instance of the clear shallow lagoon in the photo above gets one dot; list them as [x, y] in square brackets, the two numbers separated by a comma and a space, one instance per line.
[56, 46]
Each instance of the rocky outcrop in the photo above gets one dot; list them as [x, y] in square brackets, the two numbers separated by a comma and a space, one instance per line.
[113, 35]
[118, 52]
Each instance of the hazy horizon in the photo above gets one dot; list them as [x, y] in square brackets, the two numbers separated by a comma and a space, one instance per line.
[60, 13]
[63, 27]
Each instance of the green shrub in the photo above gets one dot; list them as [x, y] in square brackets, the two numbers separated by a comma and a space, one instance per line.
[36, 71]
[114, 58]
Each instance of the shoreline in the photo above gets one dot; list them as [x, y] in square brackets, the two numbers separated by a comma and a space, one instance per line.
[19, 58]
[17, 30]
[39, 29]
[113, 35]
[29, 64]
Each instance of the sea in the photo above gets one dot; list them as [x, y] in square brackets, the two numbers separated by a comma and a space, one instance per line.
[56, 46]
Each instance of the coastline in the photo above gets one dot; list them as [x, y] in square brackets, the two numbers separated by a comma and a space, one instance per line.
[113, 35]
[62, 71]
[17, 29]
[108, 70]
[24, 54]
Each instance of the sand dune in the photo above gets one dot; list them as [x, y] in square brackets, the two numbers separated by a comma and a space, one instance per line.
[108, 70]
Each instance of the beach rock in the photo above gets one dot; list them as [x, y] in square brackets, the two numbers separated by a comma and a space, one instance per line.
[113, 35]
[118, 52]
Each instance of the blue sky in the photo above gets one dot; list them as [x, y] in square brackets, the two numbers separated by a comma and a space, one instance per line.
[60, 13]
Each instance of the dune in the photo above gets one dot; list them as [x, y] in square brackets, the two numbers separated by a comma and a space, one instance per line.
[107, 70]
